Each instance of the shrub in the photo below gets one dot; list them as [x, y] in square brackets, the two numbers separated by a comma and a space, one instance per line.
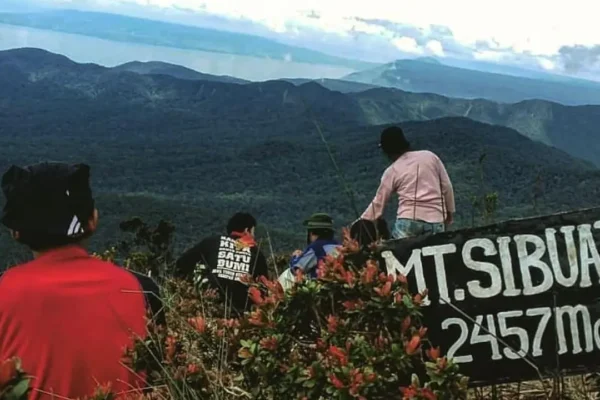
[352, 333]
[349, 334]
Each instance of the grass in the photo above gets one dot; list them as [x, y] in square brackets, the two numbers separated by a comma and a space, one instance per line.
[575, 387]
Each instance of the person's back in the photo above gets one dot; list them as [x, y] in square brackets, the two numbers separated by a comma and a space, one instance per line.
[68, 316]
[418, 184]
[223, 260]
[419, 178]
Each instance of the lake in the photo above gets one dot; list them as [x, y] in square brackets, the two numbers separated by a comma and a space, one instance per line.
[85, 49]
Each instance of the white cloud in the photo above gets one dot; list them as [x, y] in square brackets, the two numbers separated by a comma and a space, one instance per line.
[547, 64]
[537, 26]
[435, 47]
[488, 55]
[407, 45]
[535, 29]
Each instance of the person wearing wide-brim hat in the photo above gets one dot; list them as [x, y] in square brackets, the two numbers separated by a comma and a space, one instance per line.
[320, 235]
[419, 178]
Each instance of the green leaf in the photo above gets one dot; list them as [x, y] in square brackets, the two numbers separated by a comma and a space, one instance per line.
[415, 380]
[247, 361]
[19, 391]
[437, 379]
[310, 384]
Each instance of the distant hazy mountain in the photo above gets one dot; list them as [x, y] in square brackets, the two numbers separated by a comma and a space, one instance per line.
[156, 33]
[435, 77]
[335, 84]
[429, 60]
[195, 151]
[177, 71]
[514, 70]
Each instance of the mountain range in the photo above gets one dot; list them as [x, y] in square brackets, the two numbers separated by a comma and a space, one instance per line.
[572, 129]
[195, 151]
[431, 76]
[246, 56]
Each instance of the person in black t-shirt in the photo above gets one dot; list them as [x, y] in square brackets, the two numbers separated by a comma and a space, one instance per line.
[222, 260]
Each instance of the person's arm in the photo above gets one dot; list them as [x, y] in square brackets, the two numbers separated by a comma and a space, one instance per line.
[447, 192]
[295, 257]
[260, 266]
[186, 265]
[307, 261]
[384, 192]
[153, 299]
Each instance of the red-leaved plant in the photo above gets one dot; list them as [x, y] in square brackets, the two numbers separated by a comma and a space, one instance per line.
[351, 333]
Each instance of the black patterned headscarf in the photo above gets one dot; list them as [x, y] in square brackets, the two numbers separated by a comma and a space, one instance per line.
[53, 199]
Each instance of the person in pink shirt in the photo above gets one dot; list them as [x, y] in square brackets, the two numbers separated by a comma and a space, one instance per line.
[419, 178]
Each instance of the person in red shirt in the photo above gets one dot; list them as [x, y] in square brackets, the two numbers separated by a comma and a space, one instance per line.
[67, 315]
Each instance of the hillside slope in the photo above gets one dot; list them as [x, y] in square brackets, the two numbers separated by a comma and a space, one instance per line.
[176, 71]
[337, 85]
[195, 151]
[434, 77]
[573, 129]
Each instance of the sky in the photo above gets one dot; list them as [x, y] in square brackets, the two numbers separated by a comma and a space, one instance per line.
[555, 36]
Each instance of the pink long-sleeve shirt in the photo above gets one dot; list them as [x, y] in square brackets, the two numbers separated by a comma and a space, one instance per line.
[422, 184]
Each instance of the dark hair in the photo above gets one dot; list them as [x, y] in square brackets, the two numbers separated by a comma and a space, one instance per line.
[393, 143]
[382, 229]
[364, 232]
[322, 234]
[48, 204]
[41, 241]
[240, 222]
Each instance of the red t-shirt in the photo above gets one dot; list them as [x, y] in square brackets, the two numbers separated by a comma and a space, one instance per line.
[69, 317]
